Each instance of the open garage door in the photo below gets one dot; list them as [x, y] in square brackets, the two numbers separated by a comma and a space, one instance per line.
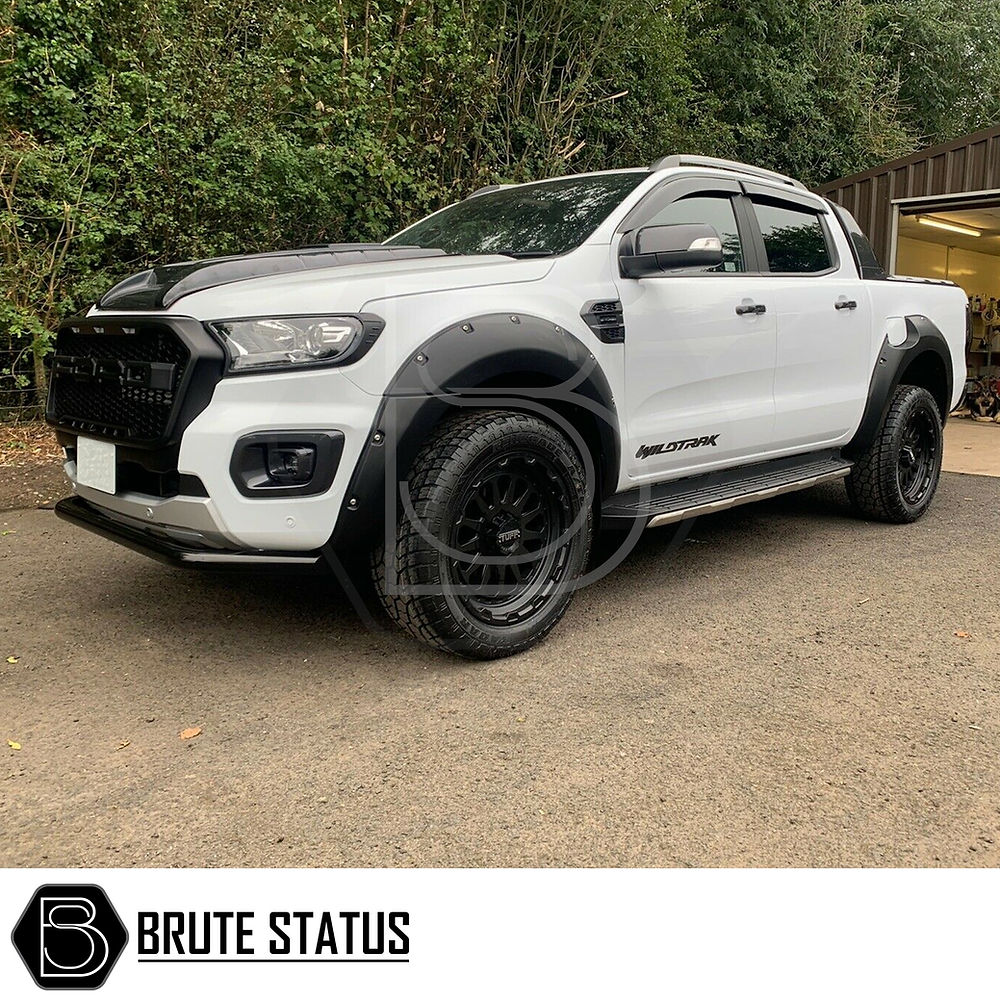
[935, 213]
[959, 239]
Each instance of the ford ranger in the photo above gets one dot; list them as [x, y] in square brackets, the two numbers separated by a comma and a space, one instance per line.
[468, 402]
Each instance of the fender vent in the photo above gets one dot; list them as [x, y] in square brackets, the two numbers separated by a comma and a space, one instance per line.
[606, 319]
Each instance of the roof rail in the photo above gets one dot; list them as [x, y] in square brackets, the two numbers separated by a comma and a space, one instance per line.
[487, 190]
[711, 161]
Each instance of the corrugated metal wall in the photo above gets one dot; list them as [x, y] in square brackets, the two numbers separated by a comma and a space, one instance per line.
[968, 164]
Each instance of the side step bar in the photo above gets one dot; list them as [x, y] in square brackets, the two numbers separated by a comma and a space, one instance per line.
[666, 503]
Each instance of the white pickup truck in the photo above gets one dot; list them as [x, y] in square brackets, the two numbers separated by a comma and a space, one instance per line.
[470, 400]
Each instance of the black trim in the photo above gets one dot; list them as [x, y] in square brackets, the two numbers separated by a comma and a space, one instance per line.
[671, 251]
[248, 465]
[754, 251]
[465, 365]
[790, 196]
[606, 318]
[865, 259]
[161, 287]
[192, 391]
[84, 515]
[922, 338]
[755, 260]
[131, 477]
[137, 474]
[371, 328]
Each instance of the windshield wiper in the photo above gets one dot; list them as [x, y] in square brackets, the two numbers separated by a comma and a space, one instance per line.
[521, 254]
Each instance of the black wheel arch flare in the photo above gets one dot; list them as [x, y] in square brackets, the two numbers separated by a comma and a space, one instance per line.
[498, 360]
[925, 354]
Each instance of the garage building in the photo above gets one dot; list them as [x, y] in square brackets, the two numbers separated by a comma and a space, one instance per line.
[936, 214]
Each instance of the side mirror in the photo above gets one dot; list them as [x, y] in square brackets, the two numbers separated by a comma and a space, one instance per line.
[657, 249]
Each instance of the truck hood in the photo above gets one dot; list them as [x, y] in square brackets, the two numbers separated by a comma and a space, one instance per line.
[339, 277]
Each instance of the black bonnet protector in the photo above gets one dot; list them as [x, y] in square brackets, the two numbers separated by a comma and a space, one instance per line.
[160, 287]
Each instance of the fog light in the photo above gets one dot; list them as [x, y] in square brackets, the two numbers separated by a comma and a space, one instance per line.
[286, 463]
[290, 464]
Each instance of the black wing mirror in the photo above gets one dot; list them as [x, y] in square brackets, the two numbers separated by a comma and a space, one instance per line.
[658, 249]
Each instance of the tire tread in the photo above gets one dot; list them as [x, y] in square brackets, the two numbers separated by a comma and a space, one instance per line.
[871, 485]
[432, 478]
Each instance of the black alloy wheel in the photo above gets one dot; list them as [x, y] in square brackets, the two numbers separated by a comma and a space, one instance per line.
[918, 450]
[483, 560]
[512, 518]
[896, 477]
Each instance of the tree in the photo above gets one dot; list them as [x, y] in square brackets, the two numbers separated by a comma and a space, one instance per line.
[946, 55]
[798, 85]
[136, 132]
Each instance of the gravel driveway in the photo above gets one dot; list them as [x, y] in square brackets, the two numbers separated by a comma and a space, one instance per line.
[786, 688]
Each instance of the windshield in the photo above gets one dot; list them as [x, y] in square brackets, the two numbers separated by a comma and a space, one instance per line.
[528, 220]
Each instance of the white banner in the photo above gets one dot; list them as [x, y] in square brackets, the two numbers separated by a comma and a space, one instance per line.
[498, 933]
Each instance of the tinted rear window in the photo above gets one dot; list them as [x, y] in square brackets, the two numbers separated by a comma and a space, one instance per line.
[794, 239]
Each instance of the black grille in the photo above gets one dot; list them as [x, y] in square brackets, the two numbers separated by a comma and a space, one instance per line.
[119, 382]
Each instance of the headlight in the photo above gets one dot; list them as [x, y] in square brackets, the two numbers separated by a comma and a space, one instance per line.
[290, 341]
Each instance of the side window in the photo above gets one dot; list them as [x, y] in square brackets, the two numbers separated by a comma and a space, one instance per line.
[713, 210]
[793, 238]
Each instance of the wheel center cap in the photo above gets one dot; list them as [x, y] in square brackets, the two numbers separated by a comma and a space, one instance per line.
[508, 539]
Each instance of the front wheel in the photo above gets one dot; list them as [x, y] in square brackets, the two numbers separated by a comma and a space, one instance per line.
[896, 478]
[483, 561]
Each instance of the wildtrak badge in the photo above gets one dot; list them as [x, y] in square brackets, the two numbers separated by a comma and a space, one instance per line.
[646, 450]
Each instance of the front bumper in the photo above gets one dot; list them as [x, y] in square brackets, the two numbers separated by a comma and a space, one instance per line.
[181, 485]
[171, 547]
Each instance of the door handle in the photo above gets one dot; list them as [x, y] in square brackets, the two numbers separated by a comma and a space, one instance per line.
[845, 304]
[752, 309]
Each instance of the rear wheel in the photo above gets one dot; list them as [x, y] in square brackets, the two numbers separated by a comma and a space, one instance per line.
[499, 529]
[896, 478]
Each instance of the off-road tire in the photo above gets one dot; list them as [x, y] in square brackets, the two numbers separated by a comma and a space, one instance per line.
[874, 486]
[422, 585]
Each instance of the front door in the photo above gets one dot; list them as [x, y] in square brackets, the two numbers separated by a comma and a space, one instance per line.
[699, 353]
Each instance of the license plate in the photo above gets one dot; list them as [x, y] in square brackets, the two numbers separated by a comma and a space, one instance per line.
[95, 464]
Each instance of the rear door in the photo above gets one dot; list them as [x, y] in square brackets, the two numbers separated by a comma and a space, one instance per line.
[823, 318]
[698, 372]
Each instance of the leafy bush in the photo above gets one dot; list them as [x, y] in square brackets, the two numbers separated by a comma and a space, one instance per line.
[140, 131]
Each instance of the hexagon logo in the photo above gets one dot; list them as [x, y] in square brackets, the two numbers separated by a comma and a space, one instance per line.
[69, 937]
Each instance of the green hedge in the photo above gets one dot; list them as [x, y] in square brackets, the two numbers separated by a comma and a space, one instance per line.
[141, 132]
